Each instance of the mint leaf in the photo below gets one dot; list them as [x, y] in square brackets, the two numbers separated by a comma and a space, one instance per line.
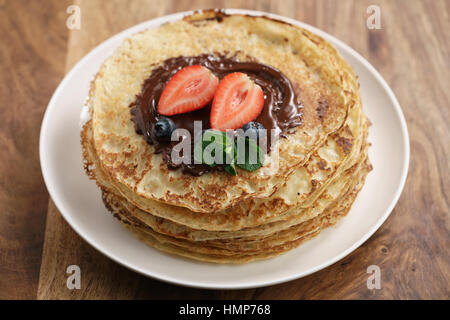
[252, 157]
[214, 147]
[231, 169]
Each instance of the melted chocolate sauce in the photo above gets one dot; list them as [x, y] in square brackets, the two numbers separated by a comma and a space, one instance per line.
[282, 110]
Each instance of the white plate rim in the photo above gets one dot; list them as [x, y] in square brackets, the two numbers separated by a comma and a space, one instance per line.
[175, 16]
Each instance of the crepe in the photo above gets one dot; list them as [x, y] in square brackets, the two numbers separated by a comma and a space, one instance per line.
[332, 193]
[301, 189]
[248, 244]
[307, 183]
[324, 81]
[240, 251]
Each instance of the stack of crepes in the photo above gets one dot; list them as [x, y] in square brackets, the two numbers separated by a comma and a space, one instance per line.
[307, 184]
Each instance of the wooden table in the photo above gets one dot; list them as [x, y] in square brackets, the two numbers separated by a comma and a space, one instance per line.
[411, 51]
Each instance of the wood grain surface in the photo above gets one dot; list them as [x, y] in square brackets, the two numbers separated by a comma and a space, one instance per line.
[411, 51]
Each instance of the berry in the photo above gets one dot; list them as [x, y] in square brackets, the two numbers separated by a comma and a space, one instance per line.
[189, 89]
[163, 128]
[237, 101]
[254, 130]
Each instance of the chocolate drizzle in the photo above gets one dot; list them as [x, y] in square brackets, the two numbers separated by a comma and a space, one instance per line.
[282, 109]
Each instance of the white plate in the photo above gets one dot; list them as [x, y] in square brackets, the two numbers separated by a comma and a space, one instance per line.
[78, 199]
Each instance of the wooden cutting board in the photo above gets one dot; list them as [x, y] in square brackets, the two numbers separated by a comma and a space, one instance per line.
[411, 51]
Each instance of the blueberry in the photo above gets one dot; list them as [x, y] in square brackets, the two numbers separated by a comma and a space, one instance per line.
[163, 128]
[254, 130]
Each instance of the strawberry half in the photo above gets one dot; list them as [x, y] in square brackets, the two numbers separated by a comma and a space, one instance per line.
[189, 89]
[238, 100]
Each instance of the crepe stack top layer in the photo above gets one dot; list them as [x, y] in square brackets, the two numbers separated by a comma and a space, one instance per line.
[309, 178]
